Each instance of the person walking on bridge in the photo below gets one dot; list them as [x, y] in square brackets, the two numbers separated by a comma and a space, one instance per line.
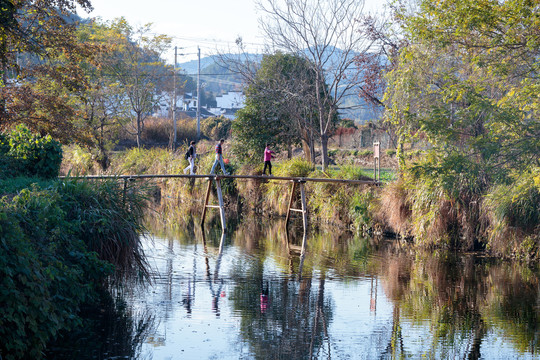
[268, 159]
[219, 158]
[190, 156]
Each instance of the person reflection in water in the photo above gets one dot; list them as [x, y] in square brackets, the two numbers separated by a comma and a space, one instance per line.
[264, 297]
[187, 298]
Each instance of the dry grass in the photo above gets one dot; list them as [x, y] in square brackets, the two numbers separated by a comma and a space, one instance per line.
[395, 209]
[160, 130]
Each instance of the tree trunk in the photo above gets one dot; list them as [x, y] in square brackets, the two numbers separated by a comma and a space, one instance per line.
[139, 131]
[312, 150]
[324, 151]
[289, 149]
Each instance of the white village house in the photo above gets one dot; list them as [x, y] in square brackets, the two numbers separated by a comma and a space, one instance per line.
[227, 105]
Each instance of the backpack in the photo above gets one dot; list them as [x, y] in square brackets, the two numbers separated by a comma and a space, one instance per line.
[187, 155]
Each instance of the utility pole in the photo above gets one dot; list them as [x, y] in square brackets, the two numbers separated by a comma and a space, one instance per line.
[174, 99]
[199, 95]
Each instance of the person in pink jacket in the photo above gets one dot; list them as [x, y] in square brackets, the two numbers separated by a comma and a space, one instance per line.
[267, 159]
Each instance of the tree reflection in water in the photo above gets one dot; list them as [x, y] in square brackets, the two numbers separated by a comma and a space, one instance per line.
[294, 321]
[111, 330]
[285, 299]
[463, 298]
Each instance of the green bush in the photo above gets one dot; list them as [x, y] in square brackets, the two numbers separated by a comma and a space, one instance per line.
[31, 154]
[365, 153]
[60, 243]
[390, 152]
[295, 167]
[47, 273]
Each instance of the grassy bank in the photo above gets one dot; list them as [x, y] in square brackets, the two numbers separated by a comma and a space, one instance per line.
[459, 211]
[62, 243]
[327, 203]
[467, 211]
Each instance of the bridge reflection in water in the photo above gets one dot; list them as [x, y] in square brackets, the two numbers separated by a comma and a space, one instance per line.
[270, 296]
[259, 292]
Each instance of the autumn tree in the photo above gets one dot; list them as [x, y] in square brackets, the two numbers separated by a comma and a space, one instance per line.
[31, 34]
[101, 105]
[468, 83]
[37, 27]
[138, 68]
[328, 35]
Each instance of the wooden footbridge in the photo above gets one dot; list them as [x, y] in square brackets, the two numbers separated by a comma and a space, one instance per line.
[296, 183]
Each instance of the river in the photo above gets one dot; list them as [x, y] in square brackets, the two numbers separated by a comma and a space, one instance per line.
[256, 293]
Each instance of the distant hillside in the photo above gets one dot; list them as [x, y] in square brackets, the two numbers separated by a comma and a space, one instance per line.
[219, 80]
[216, 78]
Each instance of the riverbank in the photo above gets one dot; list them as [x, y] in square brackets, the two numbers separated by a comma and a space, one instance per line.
[337, 204]
[63, 244]
[502, 220]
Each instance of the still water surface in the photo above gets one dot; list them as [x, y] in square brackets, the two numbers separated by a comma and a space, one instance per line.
[251, 294]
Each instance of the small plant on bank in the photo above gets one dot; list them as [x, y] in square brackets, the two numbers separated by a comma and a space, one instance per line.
[390, 152]
[365, 153]
[29, 154]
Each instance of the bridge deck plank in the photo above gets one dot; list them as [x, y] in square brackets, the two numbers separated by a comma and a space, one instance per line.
[254, 177]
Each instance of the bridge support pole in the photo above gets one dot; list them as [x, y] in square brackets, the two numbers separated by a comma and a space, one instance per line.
[220, 205]
[304, 206]
[291, 199]
[303, 210]
[205, 206]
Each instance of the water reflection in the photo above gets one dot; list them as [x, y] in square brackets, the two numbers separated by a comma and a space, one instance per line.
[111, 329]
[260, 292]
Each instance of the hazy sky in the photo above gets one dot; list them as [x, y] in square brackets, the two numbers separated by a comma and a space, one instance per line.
[204, 23]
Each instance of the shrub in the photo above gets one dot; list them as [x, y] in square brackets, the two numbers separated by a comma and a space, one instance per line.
[59, 243]
[350, 172]
[333, 152]
[514, 216]
[77, 161]
[216, 127]
[47, 273]
[365, 153]
[31, 154]
[390, 152]
[295, 167]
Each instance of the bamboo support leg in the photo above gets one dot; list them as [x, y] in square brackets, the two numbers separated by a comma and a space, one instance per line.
[221, 205]
[291, 199]
[304, 207]
[206, 200]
